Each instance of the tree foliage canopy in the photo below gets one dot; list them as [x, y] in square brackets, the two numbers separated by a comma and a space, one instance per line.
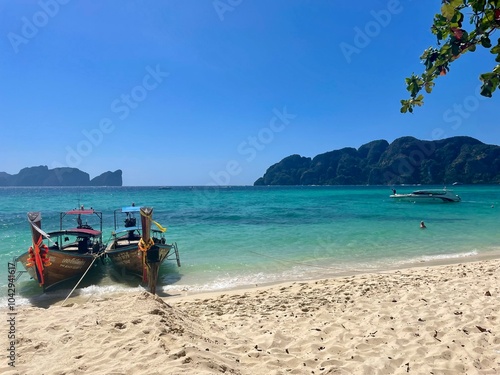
[453, 41]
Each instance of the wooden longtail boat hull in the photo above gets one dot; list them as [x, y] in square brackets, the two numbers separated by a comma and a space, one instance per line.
[131, 259]
[65, 266]
[125, 255]
[71, 252]
[137, 251]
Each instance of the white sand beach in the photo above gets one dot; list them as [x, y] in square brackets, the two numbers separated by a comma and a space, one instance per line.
[429, 320]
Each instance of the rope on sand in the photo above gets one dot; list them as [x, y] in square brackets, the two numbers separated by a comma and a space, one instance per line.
[81, 278]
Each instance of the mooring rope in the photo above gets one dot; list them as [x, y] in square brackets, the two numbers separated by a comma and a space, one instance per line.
[81, 278]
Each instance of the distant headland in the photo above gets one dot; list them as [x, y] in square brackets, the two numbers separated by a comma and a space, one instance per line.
[43, 176]
[406, 160]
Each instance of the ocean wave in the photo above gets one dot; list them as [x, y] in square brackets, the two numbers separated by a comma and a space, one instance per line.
[430, 258]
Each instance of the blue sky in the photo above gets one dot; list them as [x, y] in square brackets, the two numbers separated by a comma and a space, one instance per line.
[215, 91]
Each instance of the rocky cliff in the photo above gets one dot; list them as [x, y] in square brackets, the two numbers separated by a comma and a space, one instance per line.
[108, 179]
[407, 160]
[43, 176]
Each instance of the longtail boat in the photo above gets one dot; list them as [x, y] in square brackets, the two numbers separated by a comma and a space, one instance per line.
[140, 250]
[69, 253]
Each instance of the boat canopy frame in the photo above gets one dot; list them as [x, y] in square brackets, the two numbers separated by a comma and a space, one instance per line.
[86, 212]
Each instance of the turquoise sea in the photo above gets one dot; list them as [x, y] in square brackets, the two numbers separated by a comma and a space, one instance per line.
[241, 236]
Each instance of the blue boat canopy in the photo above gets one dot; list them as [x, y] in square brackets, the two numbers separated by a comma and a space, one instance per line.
[131, 209]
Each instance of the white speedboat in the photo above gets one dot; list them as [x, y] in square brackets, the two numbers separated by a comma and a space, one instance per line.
[432, 196]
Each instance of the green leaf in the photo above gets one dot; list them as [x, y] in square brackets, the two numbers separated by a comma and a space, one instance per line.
[439, 35]
[486, 76]
[404, 106]
[456, 20]
[486, 42]
[448, 11]
[478, 5]
[445, 49]
[495, 82]
[486, 91]
[428, 87]
[453, 39]
[488, 19]
[456, 3]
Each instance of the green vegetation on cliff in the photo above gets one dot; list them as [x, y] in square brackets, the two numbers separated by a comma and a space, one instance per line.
[407, 160]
